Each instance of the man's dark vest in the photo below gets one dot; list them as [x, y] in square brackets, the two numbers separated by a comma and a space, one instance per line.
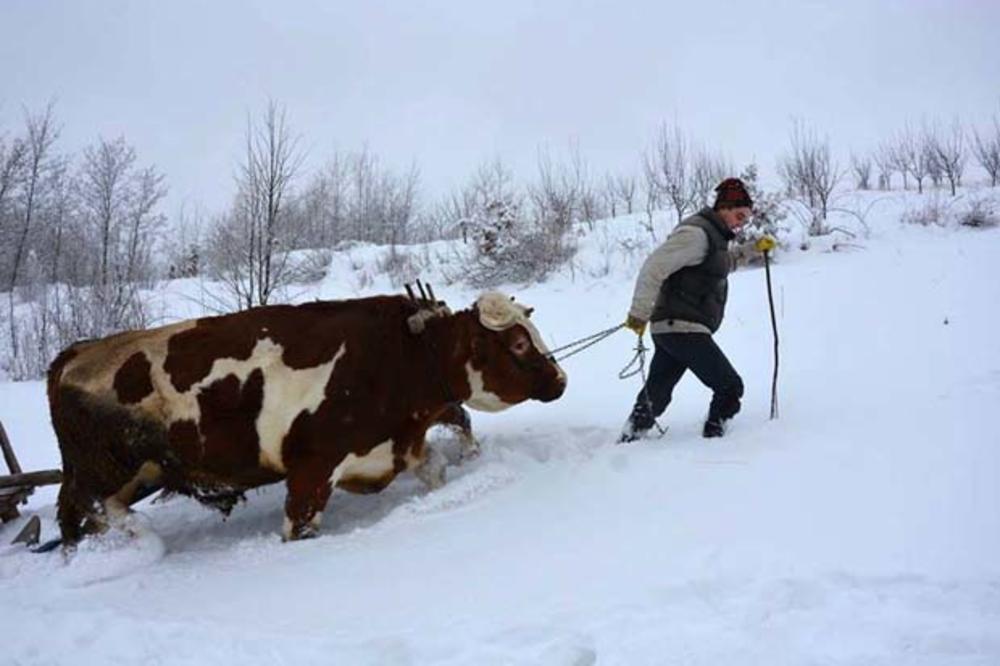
[698, 293]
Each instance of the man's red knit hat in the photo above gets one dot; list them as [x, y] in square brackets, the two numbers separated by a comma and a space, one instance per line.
[732, 193]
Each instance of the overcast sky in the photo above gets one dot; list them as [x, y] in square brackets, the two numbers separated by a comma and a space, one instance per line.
[449, 84]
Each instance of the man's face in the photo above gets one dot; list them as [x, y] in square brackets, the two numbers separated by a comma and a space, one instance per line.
[735, 217]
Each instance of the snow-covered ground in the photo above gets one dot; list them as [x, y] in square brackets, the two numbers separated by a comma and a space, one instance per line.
[862, 527]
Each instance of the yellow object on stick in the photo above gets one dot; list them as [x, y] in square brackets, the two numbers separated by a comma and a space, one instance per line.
[765, 244]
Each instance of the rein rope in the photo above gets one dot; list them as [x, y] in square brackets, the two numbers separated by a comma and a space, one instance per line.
[637, 366]
[639, 363]
[583, 343]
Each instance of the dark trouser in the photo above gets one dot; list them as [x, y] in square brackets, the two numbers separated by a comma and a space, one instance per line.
[675, 353]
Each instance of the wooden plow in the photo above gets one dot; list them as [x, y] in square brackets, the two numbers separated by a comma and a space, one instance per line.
[17, 486]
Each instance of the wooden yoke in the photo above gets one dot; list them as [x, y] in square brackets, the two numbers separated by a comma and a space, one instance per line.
[428, 307]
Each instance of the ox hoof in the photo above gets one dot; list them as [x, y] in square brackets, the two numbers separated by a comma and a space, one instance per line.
[292, 532]
[300, 535]
[432, 479]
[431, 471]
[470, 452]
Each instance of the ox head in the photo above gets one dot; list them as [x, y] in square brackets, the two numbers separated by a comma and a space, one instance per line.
[509, 362]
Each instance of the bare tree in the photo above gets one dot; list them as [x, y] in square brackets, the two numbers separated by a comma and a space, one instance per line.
[609, 195]
[934, 169]
[911, 151]
[104, 190]
[400, 194]
[652, 201]
[453, 214]
[251, 244]
[810, 174]
[882, 156]
[624, 186]
[77, 243]
[986, 148]
[707, 171]
[514, 236]
[620, 190]
[40, 135]
[666, 166]
[324, 203]
[900, 158]
[12, 156]
[184, 247]
[468, 212]
[556, 194]
[947, 150]
[35, 328]
[862, 167]
[360, 199]
[118, 204]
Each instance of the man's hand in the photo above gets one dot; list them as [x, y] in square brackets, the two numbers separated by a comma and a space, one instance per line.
[636, 325]
[765, 244]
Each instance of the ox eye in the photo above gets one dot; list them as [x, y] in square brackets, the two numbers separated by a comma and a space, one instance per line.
[520, 346]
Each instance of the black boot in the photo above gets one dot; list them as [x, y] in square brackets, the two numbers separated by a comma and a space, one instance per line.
[631, 433]
[714, 428]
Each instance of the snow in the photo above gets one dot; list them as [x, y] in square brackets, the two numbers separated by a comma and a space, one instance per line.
[862, 527]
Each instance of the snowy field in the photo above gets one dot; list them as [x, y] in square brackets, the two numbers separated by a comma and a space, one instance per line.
[862, 527]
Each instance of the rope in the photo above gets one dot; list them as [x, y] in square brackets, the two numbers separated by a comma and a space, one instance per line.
[639, 361]
[584, 343]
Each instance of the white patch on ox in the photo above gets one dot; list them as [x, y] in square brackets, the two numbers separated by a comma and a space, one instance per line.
[482, 399]
[98, 361]
[288, 393]
[371, 466]
[184, 406]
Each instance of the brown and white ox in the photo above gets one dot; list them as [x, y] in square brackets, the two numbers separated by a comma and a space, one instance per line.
[322, 395]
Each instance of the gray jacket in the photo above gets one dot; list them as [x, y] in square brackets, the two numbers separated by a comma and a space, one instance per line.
[685, 246]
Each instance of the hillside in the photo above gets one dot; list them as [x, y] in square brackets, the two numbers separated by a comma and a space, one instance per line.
[862, 527]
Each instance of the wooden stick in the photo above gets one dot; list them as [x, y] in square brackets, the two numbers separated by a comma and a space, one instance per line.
[8, 452]
[43, 478]
[774, 329]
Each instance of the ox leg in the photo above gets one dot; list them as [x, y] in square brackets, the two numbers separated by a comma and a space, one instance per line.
[470, 445]
[457, 419]
[71, 515]
[116, 507]
[309, 487]
[431, 468]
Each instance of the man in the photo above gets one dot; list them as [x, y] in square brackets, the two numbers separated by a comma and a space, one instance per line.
[681, 290]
